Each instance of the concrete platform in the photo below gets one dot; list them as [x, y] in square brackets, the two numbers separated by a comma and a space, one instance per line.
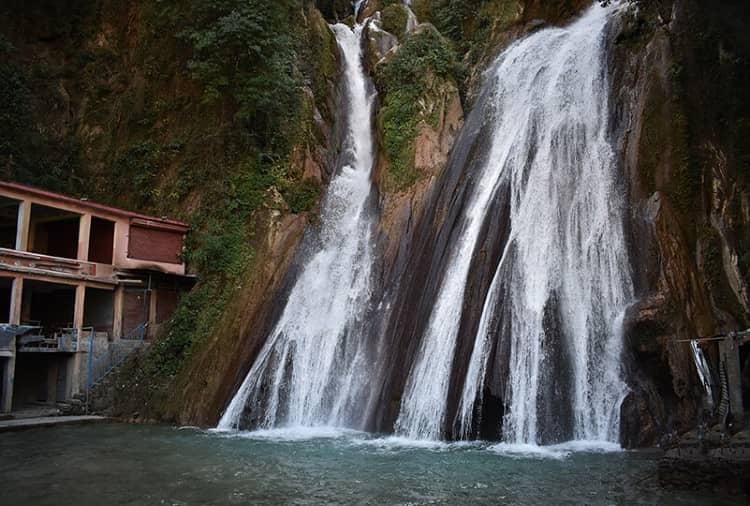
[47, 421]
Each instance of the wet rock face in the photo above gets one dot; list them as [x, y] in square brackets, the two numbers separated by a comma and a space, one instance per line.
[335, 10]
[554, 11]
[686, 245]
[434, 141]
[379, 44]
[229, 352]
[368, 8]
[555, 399]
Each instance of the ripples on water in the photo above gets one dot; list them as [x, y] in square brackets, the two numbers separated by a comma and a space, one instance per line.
[124, 464]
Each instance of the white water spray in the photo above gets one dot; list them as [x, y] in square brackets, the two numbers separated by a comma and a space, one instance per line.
[566, 247]
[357, 7]
[411, 18]
[704, 373]
[314, 365]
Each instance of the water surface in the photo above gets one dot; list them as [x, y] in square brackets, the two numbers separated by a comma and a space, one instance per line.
[127, 464]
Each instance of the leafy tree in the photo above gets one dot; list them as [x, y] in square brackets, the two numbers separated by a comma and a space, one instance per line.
[245, 49]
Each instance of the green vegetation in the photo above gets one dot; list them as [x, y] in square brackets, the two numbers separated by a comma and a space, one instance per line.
[450, 17]
[26, 153]
[394, 19]
[135, 170]
[470, 25]
[252, 58]
[715, 277]
[195, 109]
[686, 181]
[245, 51]
[318, 59]
[15, 119]
[301, 195]
[403, 81]
[423, 10]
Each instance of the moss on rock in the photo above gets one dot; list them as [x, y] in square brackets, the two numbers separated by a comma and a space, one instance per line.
[394, 19]
[406, 81]
[714, 275]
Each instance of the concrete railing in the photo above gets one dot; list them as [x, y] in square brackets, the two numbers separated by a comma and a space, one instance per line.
[36, 263]
[62, 340]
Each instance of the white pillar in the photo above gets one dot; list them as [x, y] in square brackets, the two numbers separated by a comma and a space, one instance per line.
[22, 225]
[9, 371]
[730, 355]
[74, 385]
[16, 301]
[84, 235]
[6, 403]
[152, 300]
[119, 300]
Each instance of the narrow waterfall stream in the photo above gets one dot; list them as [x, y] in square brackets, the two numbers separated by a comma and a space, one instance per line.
[411, 18]
[313, 365]
[357, 7]
[563, 281]
[704, 373]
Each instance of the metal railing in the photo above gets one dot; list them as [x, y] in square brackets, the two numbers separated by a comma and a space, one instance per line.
[137, 334]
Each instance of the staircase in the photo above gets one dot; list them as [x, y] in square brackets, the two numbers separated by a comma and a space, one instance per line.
[103, 362]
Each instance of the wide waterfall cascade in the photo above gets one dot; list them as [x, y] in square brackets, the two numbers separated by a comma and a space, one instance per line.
[566, 259]
[314, 365]
[563, 282]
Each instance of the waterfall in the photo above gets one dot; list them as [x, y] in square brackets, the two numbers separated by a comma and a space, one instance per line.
[562, 282]
[357, 7]
[411, 18]
[704, 373]
[314, 364]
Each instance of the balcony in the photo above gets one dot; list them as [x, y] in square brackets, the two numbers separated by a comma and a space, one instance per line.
[64, 340]
[35, 263]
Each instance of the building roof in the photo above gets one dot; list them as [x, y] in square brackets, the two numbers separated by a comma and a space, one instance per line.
[92, 206]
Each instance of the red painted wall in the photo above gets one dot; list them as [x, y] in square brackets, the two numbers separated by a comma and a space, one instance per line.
[155, 244]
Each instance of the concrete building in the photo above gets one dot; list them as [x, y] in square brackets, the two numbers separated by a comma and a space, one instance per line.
[90, 281]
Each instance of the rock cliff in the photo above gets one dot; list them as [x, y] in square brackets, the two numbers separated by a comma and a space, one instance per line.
[138, 105]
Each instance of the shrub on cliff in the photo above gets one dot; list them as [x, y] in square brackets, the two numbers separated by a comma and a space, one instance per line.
[403, 81]
[394, 19]
[244, 50]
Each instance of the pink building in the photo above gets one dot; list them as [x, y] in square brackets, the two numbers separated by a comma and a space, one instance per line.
[87, 279]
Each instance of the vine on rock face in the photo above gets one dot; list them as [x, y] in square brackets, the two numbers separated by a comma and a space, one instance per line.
[403, 81]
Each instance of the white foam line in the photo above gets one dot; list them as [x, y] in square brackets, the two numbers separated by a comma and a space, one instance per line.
[396, 443]
[356, 438]
[527, 451]
[291, 434]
